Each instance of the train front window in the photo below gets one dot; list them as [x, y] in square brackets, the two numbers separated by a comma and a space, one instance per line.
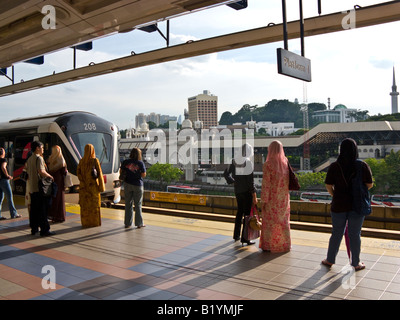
[102, 147]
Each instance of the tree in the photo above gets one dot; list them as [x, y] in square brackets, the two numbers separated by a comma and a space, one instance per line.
[312, 180]
[386, 173]
[123, 133]
[226, 118]
[385, 117]
[152, 125]
[262, 132]
[359, 115]
[164, 172]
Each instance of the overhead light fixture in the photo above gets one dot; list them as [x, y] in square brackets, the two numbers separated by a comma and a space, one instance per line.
[37, 60]
[238, 5]
[84, 46]
[150, 28]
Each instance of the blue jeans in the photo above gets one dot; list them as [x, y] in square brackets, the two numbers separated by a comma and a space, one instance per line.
[354, 221]
[133, 196]
[5, 189]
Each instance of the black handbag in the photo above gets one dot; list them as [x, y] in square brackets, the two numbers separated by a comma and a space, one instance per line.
[94, 171]
[45, 186]
[293, 181]
[122, 175]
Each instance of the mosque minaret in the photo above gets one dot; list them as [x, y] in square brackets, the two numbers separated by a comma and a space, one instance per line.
[395, 95]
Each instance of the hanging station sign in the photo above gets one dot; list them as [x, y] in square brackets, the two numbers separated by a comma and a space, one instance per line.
[293, 65]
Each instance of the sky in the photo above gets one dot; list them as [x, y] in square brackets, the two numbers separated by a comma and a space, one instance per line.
[352, 67]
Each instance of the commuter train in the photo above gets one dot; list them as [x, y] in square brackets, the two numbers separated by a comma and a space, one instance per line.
[183, 189]
[386, 200]
[316, 197]
[71, 131]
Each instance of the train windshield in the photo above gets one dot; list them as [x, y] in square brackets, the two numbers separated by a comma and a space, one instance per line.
[102, 146]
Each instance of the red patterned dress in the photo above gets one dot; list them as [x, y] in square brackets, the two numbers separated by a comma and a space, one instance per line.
[275, 199]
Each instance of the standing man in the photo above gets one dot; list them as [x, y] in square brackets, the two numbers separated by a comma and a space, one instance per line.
[39, 204]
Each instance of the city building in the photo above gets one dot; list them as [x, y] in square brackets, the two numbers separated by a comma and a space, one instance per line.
[340, 113]
[276, 129]
[139, 119]
[166, 118]
[395, 96]
[153, 117]
[204, 107]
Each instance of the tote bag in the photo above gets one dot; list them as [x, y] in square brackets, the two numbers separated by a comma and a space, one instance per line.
[293, 181]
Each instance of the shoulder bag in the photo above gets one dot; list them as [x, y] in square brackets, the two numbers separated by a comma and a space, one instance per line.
[94, 170]
[122, 175]
[47, 187]
[248, 232]
[255, 221]
[293, 181]
[361, 199]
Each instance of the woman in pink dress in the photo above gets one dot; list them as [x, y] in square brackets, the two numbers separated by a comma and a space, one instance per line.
[275, 201]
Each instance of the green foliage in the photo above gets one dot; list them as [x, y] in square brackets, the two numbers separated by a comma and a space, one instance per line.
[386, 173]
[385, 117]
[226, 118]
[274, 111]
[311, 180]
[164, 172]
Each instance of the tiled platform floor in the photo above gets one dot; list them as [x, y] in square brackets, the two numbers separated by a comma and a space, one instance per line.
[178, 259]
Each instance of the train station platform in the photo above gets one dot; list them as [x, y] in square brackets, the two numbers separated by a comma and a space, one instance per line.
[177, 258]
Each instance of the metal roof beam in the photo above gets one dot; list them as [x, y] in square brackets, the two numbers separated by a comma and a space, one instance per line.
[366, 16]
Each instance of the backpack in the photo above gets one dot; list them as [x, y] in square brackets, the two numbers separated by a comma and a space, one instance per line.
[361, 202]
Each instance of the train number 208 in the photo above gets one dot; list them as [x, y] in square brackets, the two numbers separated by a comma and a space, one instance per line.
[89, 126]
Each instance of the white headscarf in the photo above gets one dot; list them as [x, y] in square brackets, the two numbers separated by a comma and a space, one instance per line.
[244, 160]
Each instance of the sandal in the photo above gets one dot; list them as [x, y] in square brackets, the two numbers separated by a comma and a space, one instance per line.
[16, 216]
[360, 266]
[326, 263]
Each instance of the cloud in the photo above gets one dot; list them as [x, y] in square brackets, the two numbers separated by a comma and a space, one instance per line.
[381, 64]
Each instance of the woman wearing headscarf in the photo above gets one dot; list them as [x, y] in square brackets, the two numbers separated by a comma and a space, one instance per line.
[58, 169]
[91, 184]
[337, 183]
[240, 173]
[275, 201]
